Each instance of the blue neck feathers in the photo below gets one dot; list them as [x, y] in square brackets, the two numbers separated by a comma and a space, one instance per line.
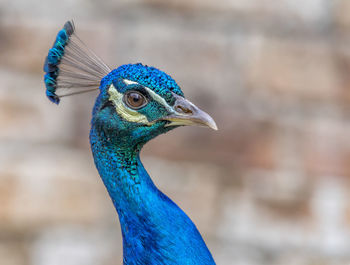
[155, 230]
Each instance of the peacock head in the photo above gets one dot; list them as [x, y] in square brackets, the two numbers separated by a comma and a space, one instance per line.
[137, 102]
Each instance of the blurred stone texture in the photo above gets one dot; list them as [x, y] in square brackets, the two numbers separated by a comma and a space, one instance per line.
[270, 187]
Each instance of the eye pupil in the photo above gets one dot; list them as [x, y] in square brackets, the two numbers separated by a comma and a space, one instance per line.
[135, 97]
[135, 100]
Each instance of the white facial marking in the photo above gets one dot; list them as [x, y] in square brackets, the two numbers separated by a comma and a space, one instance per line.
[159, 99]
[125, 112]
[129, 82]
[153, 94]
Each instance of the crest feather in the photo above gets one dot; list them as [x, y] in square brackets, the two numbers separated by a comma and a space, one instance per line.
[71, 67]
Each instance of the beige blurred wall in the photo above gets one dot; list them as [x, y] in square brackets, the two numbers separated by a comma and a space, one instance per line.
[270, 187]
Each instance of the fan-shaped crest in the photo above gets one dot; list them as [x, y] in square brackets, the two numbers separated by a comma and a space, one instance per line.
[71, 67]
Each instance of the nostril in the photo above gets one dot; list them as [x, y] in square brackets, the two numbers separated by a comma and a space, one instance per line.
[182, 109]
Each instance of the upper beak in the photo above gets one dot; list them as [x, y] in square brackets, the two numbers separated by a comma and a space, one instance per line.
[186, 113]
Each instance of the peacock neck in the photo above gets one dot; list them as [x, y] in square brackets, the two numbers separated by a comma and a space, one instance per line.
[122, 172]
[155, 230]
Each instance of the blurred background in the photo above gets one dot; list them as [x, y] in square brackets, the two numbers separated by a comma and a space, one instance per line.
[270, 187]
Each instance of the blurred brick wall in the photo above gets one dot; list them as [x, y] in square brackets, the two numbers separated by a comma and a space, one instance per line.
[270, 187]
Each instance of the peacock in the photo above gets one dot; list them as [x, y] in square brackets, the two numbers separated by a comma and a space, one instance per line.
[136, 103]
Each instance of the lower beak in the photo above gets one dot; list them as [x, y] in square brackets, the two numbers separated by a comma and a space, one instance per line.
[186, 113]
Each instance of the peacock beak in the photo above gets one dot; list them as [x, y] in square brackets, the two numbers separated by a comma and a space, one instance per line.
[186, 113]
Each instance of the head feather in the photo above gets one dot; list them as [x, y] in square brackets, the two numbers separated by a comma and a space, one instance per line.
[71, 67]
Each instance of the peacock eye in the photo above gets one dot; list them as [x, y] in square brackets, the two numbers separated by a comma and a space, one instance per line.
[135, 99]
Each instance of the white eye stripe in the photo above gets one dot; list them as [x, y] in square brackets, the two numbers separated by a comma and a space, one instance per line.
[129, 82]
[153, 94]
[159, 99]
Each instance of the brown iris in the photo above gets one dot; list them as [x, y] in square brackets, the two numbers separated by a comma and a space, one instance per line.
[135, 99]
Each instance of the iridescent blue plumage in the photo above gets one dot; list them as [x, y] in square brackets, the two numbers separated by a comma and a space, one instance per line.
[135, 104]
